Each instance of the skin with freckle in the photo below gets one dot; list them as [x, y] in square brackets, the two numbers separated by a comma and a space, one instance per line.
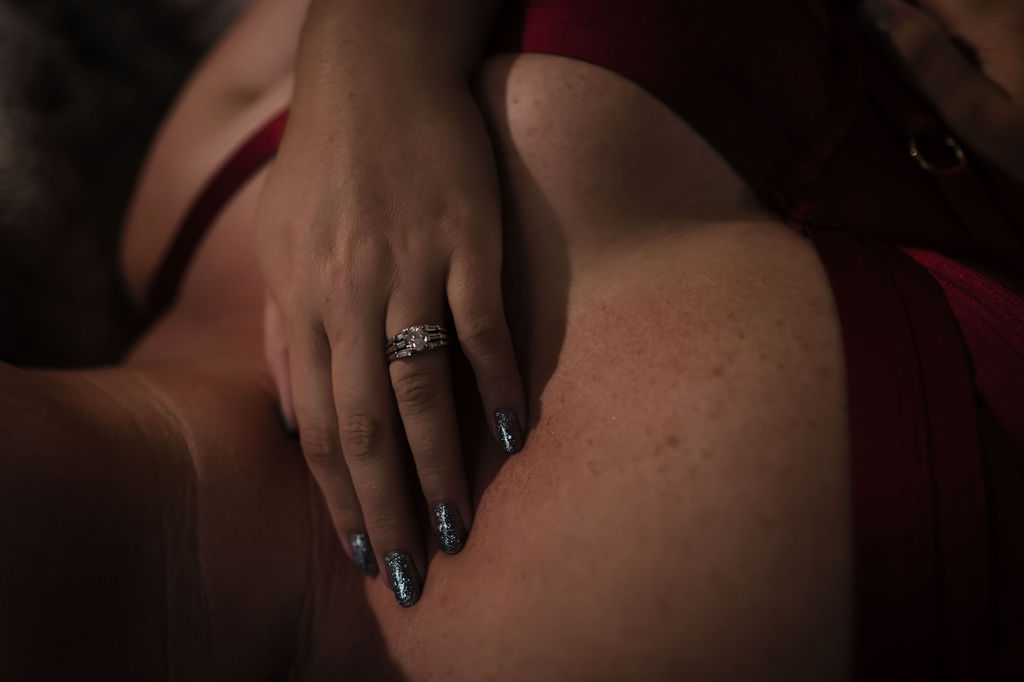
[679, 511]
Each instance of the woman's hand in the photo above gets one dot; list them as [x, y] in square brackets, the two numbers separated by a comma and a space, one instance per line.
[980, 95]
[382, 211]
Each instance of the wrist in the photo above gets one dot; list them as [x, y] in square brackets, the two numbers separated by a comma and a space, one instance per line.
[391, 37]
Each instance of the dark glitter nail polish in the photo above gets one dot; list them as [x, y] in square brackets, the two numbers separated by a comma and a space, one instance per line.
[405, 581]
[362, 552]
[509, 431]
[448, 524]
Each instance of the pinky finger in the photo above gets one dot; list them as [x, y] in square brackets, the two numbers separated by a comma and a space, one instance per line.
[476, 304]
[318, 435]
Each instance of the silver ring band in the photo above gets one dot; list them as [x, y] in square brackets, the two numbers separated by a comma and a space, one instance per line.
[416, 339]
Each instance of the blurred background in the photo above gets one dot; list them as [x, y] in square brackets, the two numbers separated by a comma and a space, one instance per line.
[83, 85]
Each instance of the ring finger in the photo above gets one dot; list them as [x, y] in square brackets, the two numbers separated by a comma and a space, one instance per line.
[423, 391]
[373, 453]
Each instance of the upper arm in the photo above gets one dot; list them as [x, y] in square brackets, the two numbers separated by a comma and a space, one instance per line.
[83, 561]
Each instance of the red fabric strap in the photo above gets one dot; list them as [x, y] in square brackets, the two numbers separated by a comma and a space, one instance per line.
[229, 178]
[919, 504]
[992, 321]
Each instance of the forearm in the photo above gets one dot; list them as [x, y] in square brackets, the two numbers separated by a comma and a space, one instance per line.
[371, 73]
[82, 566]
[145, 515]
[423, 35]
[361, 56]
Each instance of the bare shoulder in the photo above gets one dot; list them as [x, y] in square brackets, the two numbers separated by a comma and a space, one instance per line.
[245, 80]
[154, 517]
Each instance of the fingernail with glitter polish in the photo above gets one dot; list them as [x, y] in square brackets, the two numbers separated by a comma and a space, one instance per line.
[362, 553]
[510, 432]
[450, 530]
[405, 581]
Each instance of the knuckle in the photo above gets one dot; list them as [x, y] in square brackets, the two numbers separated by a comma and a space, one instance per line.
[482, 335]
[454, 220]
[427, 445]
[385, 520]
[415, 392]
[362, 258]
[360, 434]
[926, 42]
[501, 382]
[345, 512]
[353, 273]
[921, 42]
[320, 447]
[434, 472]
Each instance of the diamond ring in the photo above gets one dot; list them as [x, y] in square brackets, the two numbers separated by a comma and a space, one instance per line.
[417, 339]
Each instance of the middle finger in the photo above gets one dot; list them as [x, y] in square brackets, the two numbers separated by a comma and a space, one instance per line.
[373, 453]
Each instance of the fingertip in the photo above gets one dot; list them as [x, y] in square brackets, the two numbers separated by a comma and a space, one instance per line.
[362, 554]
[508, 429]
[403, 577]
[450, 528]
